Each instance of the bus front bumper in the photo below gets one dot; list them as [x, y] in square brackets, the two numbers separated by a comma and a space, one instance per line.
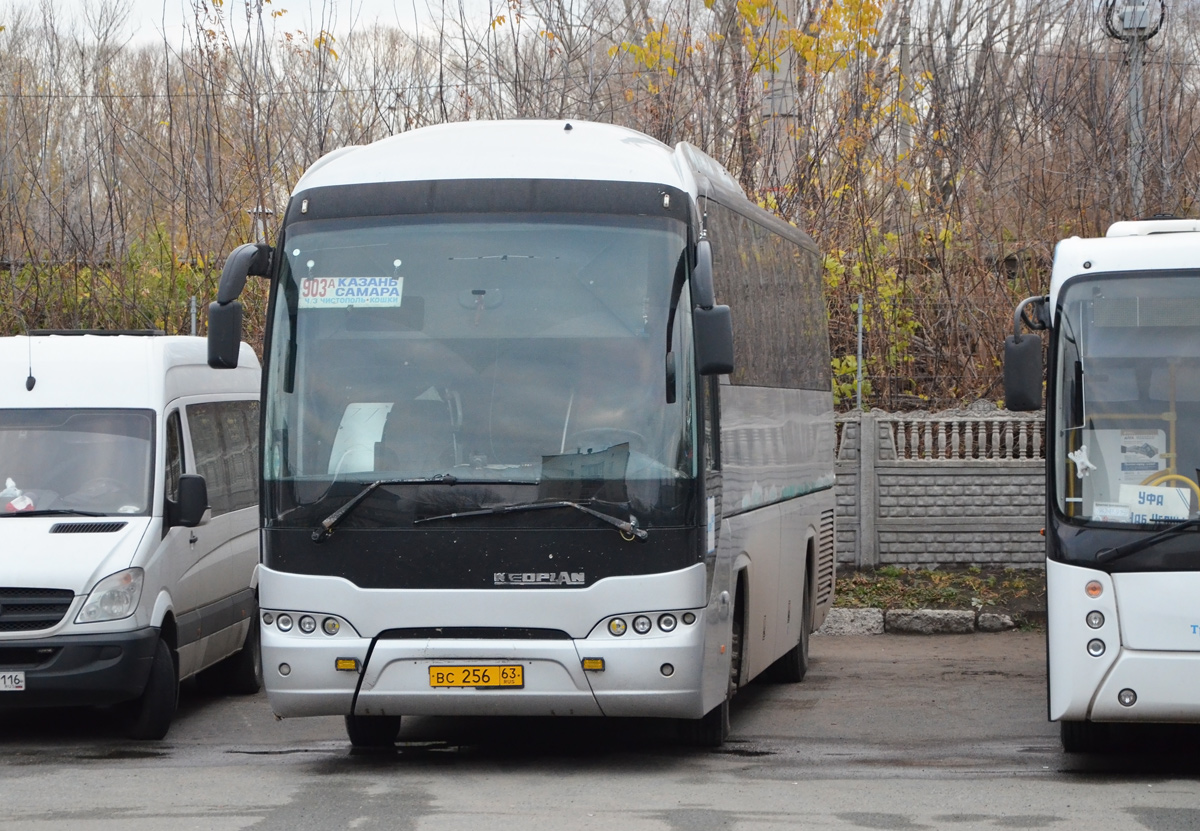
[657, 675]
[1163, 684]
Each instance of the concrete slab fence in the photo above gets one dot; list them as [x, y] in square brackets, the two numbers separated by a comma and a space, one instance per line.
[958, 488]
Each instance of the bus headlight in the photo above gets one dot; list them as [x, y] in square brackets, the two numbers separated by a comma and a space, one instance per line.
[666, 623]
[641, 624]
[1095, 647]
[1095, 619]
[617, 626]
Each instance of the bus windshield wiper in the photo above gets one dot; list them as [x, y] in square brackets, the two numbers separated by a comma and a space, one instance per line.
[1108, 555]
[629, 529]
[322, 531]
[54, 512]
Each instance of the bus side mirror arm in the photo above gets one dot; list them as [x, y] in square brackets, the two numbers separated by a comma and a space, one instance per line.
[1023, 367]
[225, 314]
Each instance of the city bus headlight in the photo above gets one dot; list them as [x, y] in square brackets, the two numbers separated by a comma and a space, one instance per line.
[617, 626]
[1095, 647]
[641, 624]
[1095, 619]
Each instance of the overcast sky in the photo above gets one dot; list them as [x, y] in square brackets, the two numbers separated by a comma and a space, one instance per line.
[148, 20]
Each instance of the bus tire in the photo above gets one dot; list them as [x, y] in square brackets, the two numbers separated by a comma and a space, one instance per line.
[792, 666]
[1083, 736]
[372, 731]
[149, 715]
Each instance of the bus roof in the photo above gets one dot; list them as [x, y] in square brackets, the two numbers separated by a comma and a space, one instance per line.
[528, 149]
[1125, 249]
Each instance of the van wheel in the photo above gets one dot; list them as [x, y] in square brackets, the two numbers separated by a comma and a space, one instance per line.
[244, 673]
[240, 673]
[149, 716]
[372, 731]
[792, 666]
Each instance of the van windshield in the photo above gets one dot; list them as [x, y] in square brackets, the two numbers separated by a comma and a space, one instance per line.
[76, 459]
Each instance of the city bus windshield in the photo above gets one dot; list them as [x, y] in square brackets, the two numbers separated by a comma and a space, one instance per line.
[505, 349]
[1128, 399]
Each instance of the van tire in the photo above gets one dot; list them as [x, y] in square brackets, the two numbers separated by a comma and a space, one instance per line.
[243, 670]
[372, 731]
[149, 716]
[239, 674]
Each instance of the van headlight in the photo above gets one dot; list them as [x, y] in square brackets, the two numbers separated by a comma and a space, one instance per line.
[113, 598]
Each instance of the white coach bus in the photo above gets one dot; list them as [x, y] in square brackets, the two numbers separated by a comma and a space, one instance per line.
[1123, 449]
[510, 465]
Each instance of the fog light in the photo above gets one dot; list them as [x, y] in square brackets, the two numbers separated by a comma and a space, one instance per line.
[1095, 620]
[1093, 588]
[667, 623]
[285, 669]
[689, 618]
[1095, 647]
[641, 624]
[617, 626]
[284, 622]
[268, 618]
[331, 626]
[1127, 698]
[308, 625]
[667, 670]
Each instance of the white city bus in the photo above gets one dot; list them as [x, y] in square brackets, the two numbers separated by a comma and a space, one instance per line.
[1123, 452]
[510, 466]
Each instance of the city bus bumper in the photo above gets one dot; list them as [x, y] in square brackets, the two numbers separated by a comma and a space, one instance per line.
[1163, 684]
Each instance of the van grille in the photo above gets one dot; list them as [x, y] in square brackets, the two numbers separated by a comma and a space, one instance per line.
[27, 610]
[86, 527]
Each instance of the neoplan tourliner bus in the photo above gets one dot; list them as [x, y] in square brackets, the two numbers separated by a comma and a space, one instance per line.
[510, 465]
[1122, 450]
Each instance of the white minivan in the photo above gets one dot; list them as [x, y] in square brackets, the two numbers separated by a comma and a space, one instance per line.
[128, 523]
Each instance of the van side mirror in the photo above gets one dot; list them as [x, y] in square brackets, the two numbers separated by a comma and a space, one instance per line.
[192, 508]
[225, 315]
[713, 331]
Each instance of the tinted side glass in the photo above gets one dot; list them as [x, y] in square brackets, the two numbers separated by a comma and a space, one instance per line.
[225, 441]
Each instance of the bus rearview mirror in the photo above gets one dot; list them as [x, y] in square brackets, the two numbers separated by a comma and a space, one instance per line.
[714, 340]
[1023, 373]
[224, 334]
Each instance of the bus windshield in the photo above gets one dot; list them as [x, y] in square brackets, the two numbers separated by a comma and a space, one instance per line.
[506, 349]
[1128, 399]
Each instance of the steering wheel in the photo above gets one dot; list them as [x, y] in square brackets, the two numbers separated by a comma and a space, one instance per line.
[599, 437]
[1162, 478]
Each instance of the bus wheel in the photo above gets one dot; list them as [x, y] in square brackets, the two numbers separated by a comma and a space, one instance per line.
[372, 731]
[149, 716]
[1083, 736]
[792, 666]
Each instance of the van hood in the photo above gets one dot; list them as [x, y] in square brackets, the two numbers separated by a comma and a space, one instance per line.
[64, 552]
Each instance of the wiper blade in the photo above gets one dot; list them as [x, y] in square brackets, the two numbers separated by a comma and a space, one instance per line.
[1108, 555]
[629, 530]
[53, 512]
[322, 531]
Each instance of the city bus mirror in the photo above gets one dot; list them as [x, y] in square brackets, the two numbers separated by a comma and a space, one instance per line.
[714, 340]
[702, 276]
[1023, 373]
[224, 334]
[670, 369]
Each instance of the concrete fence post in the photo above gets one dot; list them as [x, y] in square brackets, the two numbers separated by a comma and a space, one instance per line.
[868, 496]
